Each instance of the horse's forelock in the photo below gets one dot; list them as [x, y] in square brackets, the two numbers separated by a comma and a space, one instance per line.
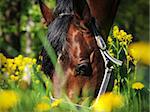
[57, 30]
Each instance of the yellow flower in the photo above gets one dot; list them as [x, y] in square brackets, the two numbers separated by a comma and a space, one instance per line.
[2, 59]
[107, 102]
[56, 103]
[123, 33]
[14, 78]
[129, 37]
[110, 39]
[140, 51]
[37, 81]
[8, 99]
[122, 36]
[111, 53]
[129, 58]
[38, 68]
[42, 107]
[115, 28]
[17, 73]
[40, 57]
[34, 61]
[137, 86]
[115, 31]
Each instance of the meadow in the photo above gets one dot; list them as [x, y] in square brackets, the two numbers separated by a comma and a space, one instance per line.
[25, 88]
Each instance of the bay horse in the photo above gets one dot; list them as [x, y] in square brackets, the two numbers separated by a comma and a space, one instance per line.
[70, 35]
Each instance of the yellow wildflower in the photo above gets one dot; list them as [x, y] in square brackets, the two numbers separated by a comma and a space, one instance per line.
[129, 38]
[40, 57]
[56, 103]
[123, 34]
[8, 99]
[14, 78]
[115, 31]
[34, 61]
[107, 102]
[110, 39]
[129, 58]
[42, 107]
[111, 53]
[135, 62]
[140, 51]
[38, 68]
[2, 59]
[4, 69]
[137, 86]
[115, 28]
[17, 73]
[37, 81]
[21, 68]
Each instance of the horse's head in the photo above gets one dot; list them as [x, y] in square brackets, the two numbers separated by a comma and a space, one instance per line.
[81, 59]
[82, 64]
[77, 51]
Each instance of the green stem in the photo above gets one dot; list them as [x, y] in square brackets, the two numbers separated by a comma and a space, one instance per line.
[128, 77]
[139, 97]
[135, 72]
[118, 69]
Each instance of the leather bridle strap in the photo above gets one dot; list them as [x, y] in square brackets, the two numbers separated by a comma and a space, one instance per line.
[66, 14]
[107, 59]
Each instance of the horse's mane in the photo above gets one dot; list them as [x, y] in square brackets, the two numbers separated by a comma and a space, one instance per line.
[57, 33]
[57, 30]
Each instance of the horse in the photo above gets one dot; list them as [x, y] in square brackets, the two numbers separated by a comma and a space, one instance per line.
[74, 43]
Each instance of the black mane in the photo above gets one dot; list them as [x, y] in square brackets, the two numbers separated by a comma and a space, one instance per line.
[57, 30]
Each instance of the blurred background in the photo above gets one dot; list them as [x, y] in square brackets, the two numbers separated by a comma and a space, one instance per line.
[20, 25]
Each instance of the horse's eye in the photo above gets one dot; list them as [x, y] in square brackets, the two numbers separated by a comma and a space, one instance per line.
[84, 69]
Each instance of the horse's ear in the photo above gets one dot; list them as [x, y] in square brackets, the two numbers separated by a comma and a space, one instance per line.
[46, 12]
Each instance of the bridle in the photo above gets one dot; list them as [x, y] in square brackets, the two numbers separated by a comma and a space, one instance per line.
[107, 60]
[106, 57]
[66, 14]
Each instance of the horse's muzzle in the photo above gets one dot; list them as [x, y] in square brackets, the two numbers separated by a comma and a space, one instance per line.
[84, 69]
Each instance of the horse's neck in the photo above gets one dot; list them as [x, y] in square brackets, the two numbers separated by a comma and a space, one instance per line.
[104, 11]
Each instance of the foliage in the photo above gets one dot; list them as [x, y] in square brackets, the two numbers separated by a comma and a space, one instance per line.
[133, 16]
[20, 25]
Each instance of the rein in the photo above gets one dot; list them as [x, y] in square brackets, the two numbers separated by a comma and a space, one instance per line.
[106, 57]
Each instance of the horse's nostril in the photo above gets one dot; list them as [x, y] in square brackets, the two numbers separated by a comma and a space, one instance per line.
[83, 69]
